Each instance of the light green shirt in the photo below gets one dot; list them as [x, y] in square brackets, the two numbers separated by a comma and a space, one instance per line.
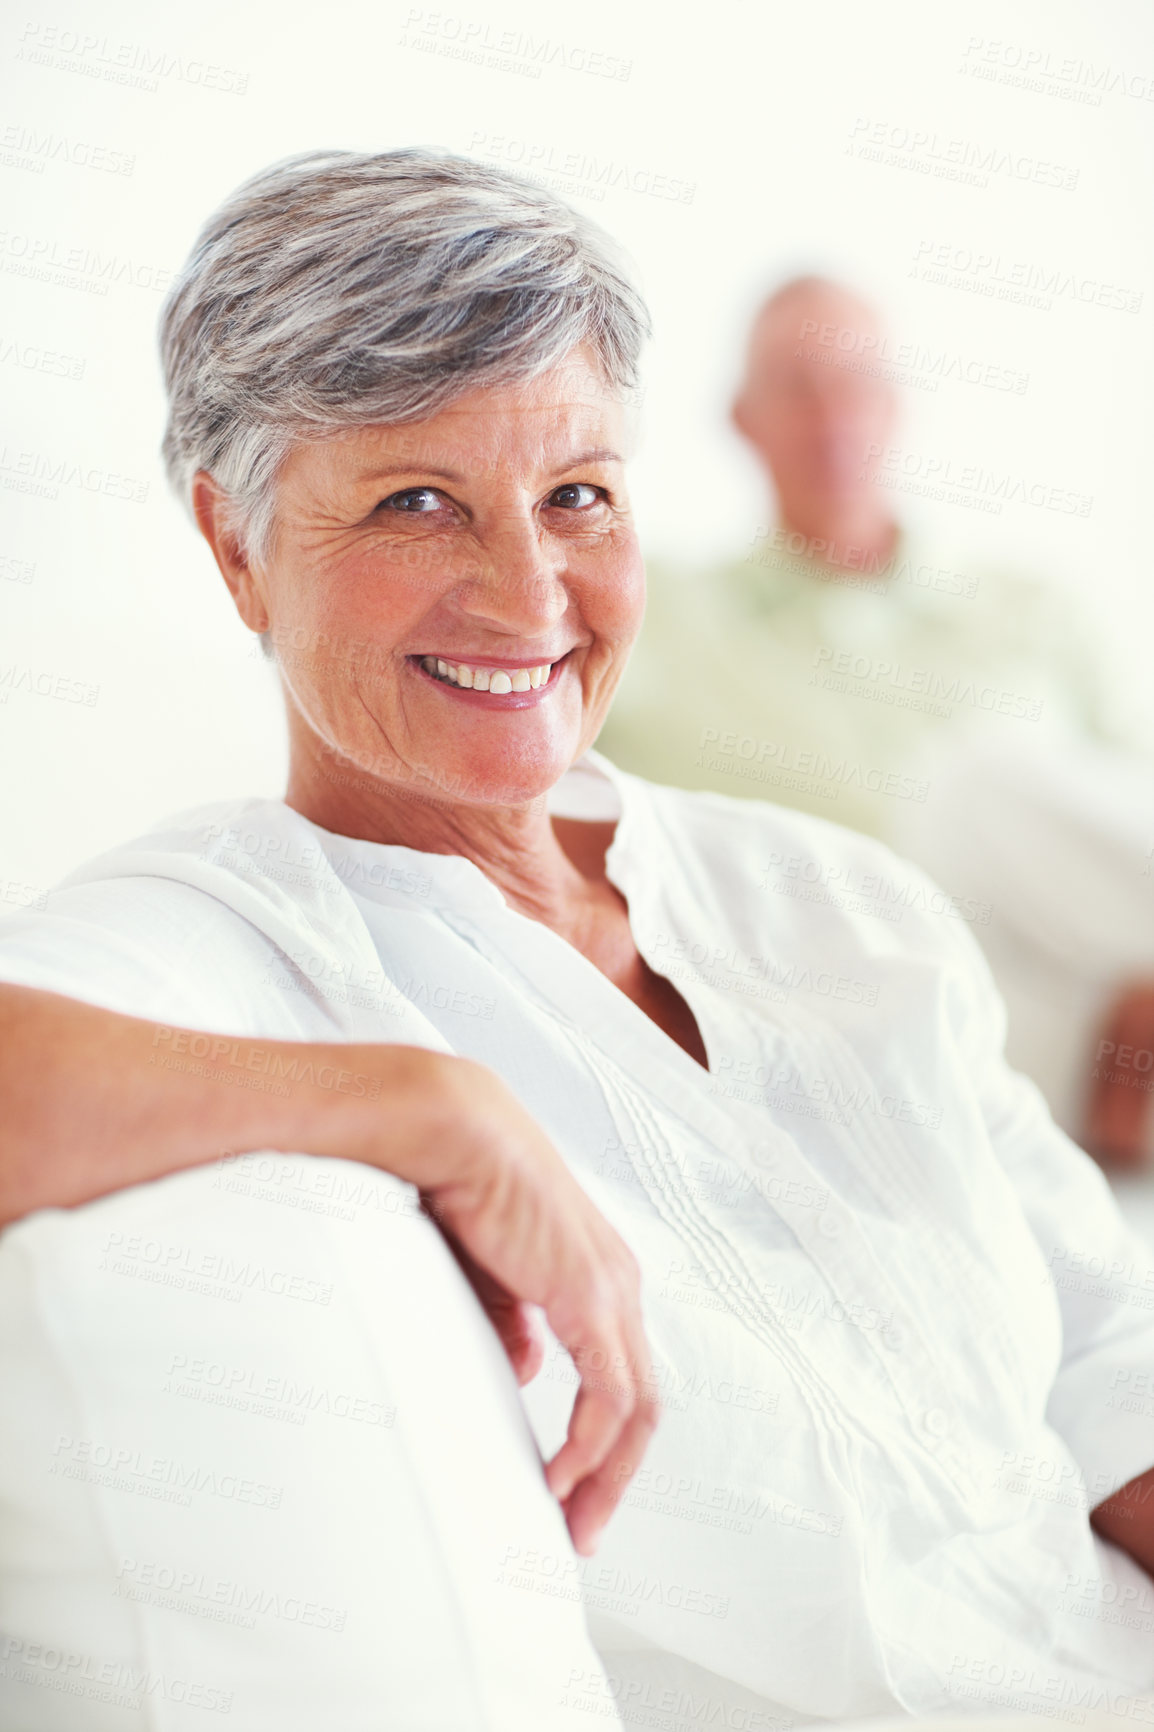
[839, 692]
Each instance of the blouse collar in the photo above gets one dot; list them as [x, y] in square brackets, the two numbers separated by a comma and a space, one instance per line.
[592, 790]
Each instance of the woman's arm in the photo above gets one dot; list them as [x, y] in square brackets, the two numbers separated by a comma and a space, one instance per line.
[1101, 1271]
[96, 1101]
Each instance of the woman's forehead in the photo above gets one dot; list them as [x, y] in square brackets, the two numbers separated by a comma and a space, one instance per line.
[571, 399]
[538, 425]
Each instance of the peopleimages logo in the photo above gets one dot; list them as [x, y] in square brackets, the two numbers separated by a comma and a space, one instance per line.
[118, 1684]
[215, 1273]
[894, 465]
[24, 147]
[849, 563]
[925, 151]
[848, 888]
[138, 65]
[876, 354]
[222, 1051]
[43, 683]
[1024, 282]
[579, 172]
[1026, 66]
[479, 42]
[45, 259]
[44, 473]
[894, 682]
[784, 764]
[201, 1594]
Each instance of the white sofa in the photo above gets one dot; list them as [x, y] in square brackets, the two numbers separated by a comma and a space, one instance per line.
[263, 1458]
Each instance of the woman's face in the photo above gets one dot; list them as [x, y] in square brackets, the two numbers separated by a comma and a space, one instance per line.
[414, 566]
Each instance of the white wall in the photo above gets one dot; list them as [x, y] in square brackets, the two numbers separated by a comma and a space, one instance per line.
[734, 134]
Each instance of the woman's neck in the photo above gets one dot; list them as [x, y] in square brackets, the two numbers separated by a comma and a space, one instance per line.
[543, 871]
[549, 869]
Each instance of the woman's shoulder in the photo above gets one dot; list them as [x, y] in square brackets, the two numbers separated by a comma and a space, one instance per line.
[806, 881]
[797, 841]
[210, 832]
[176, 924]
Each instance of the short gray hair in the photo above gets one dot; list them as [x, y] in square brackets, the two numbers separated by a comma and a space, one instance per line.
[337, 289]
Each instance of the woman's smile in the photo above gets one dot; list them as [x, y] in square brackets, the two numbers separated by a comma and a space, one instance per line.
[489, 683]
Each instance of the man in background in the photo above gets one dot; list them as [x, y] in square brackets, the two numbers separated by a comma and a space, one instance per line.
[831, 666]
[865, 672]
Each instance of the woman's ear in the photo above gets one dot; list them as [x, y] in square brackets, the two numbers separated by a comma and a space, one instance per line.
[215, 516]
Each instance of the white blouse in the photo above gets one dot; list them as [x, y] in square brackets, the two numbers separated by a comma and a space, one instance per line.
[905, 1342]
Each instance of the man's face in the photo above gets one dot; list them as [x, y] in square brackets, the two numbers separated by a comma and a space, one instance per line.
[811, 406]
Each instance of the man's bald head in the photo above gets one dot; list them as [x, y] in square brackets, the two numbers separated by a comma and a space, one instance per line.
[813, 400]
[800, 308]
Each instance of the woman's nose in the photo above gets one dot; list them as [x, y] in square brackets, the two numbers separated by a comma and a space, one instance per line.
[517, 583]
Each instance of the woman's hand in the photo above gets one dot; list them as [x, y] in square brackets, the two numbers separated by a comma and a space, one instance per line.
[89, 1109]
[527, 1235]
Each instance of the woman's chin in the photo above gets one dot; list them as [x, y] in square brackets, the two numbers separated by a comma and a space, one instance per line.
[487, 775]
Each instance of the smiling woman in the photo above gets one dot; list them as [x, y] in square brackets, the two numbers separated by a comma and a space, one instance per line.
[473, 1039]
[504, 550]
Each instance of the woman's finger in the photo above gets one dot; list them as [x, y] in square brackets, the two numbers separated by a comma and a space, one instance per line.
[616, 1383]
[594, 1498]
[516, 1323]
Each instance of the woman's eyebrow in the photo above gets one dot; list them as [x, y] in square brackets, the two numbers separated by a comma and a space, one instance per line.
[599, 454]
[379, 472]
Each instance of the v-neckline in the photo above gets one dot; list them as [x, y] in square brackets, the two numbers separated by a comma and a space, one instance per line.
[578, 994]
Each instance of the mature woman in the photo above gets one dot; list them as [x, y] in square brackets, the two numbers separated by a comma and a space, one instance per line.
[898, 1331]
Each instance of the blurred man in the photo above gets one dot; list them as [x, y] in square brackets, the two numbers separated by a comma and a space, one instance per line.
[832, 665]
[819, 420]
[852, 667]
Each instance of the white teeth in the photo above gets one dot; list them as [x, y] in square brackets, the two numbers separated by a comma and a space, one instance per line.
[496, 680]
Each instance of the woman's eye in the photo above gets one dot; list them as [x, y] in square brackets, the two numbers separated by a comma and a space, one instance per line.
[417, 500]
[576, 496]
